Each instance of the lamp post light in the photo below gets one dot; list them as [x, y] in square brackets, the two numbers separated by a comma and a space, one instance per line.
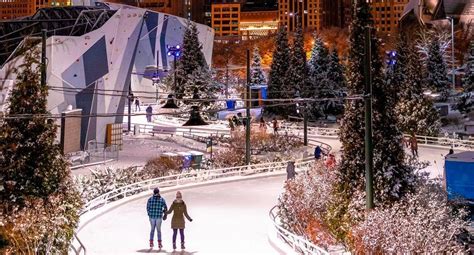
[174, 51]
[453, 72]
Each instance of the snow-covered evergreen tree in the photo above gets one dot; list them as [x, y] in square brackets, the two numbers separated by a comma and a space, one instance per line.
[257, 77]
[392, 178]
[468, 80]
[318, 77]
[39, 207]
[192, 71]
[298, 72]
[416, 113]
[336, 84]
[436, 77]
[278, 83]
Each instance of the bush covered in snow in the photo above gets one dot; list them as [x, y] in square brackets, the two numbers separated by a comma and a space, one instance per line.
[40, 226]
[262, 142]
[105, 180]
[422, 222]
[304, 205]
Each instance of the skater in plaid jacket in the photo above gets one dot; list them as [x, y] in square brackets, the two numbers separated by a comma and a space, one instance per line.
[156, 209]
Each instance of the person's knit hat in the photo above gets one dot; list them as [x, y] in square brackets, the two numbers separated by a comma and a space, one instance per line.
[156, 191]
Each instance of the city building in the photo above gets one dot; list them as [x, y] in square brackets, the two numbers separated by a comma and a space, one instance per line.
[190, 9]
[11, 9]
[254, 24]
[336, 13]
[308, 12]
[386, 15]
[225, 18]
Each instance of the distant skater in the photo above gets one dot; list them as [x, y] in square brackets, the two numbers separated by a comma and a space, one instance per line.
[317, 153]
[177, 222]
[149, 113]
[290, 170]
[156, 209]
[137, 104]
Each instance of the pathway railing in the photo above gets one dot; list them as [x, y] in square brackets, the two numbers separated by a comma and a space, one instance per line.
[446, 142]
[194, 176]
[298, 243]
[198, 176]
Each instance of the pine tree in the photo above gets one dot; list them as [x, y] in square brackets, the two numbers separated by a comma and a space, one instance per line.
[318, 76]
[257, 77]
[392, 179]
[465, 104]
[298, 72]
[278, 84]
[468, 80]
[436, 77]
[31, 164]
[40, 205]
[416, 113]
[192, 71]
[336, 84]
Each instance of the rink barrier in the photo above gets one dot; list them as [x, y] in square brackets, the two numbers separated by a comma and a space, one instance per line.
[298, 243]
[194, 176]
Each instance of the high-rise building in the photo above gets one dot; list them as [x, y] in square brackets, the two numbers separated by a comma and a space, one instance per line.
[336, 13]
[386, 15]
[308, 12]
[225, 19]
[10, 9]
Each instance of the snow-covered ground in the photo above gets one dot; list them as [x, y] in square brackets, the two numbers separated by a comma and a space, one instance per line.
[230, 218]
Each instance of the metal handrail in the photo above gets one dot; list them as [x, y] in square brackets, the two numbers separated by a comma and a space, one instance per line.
[82, 247]
[445, 142]
[298, 243]
[189, 177]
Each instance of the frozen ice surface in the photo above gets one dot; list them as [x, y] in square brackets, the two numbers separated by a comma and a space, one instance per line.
[230, 218]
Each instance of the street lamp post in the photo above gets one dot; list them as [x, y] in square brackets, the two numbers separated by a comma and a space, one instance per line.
[174, 51]
[369, 153]
[453, 72]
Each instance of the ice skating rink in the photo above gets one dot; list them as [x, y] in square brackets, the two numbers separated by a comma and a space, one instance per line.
[229, 218]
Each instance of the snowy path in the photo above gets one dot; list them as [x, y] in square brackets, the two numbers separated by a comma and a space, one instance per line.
[230, 218]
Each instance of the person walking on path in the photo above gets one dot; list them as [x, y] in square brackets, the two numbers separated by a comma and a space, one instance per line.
[177, 222]
[156, 209]
[330, 161]
[290, 170]
[414, 146]
[275, 126]
[317, 153]
[137, 104]
[262, 126]
[231, 125]
[149, 113]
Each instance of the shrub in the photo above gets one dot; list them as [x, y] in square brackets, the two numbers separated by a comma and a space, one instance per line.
[423, 222]
[162, 166]
[304, 205]
[41, 226]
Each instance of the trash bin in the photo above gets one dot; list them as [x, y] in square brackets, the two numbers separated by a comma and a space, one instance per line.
[187, 159]
[196, 159]
[230, 104]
